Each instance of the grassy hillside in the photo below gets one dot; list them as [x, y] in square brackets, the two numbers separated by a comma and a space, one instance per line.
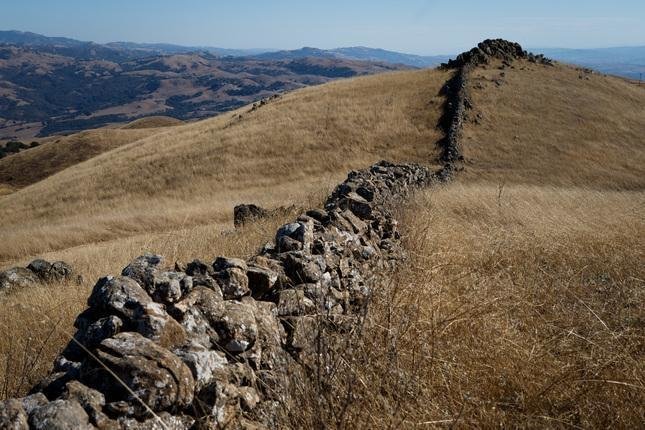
[558, 126]
[521, 303]
[57, 154]
[191, 176]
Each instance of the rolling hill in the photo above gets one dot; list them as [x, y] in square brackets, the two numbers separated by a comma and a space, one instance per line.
[47, 90]
[520, 301]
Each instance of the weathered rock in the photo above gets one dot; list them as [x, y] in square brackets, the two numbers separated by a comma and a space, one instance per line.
[33, 401]
[223, 263]
[294, 302]
[12, 415]
[198, 267]
[59, 415]
[168, 286]
[163, 421]
[143, 269]
[303, 268]
[261, 280]
[234, 283]
[236, 325]
[159, 378]
[247, 212]
[16, 278]
[204, 363]
[154, 323]
[121, 296]
[91, 400]
[195, 313]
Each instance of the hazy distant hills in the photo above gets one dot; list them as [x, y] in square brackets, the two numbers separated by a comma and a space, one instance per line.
[51, 86]
[622, 61]
[359, 53]
[133, 50]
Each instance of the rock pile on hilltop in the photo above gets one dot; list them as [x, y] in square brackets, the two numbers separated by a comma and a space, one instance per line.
[494, 48]
[211, 343]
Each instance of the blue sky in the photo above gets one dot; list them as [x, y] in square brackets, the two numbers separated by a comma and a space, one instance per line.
[416, 26]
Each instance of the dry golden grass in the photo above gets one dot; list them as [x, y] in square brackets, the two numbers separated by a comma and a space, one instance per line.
[521, 303]
[57, 154]
[520, 309]
[546, 125]
[152, 122]
[192, 175]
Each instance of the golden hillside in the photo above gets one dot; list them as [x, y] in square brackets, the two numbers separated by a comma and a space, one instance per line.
[521, 302]
[191, 176]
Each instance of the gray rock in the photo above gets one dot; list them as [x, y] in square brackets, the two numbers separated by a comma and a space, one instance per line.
[60, 415]
[143, 268]
[122, 296]
[236, 325]
[204, 363]
[294, 302]
[157, 376]
[234, 283]
[223, 263]
[33, 401]
[261, 280]
[198, 267]
[16, 278]
[12, 415]
[167, 286]
[195, 312]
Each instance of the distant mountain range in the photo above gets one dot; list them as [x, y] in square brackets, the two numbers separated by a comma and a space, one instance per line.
[51, 85]
[622, 61]
[132, 50]
[57, 85]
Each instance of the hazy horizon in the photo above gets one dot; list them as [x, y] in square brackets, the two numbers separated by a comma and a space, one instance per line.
[423, 27]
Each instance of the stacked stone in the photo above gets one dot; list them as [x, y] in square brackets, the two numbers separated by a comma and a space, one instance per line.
[494, 48]
[210, 345]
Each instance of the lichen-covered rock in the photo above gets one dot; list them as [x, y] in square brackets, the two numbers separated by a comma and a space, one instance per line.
[234, 283]
[121, 296]
[158, 377]
[143, 269]
[204, 363]
[236, 324]
[294, 302]
[60, 415]
[16, 278]
[195, 314]
[12, 415]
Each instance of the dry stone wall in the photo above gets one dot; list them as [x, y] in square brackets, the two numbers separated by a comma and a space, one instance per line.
[210, 344]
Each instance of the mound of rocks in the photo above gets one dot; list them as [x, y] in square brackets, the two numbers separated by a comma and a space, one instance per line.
[37, 272]
[208, 344]
[494, 49]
